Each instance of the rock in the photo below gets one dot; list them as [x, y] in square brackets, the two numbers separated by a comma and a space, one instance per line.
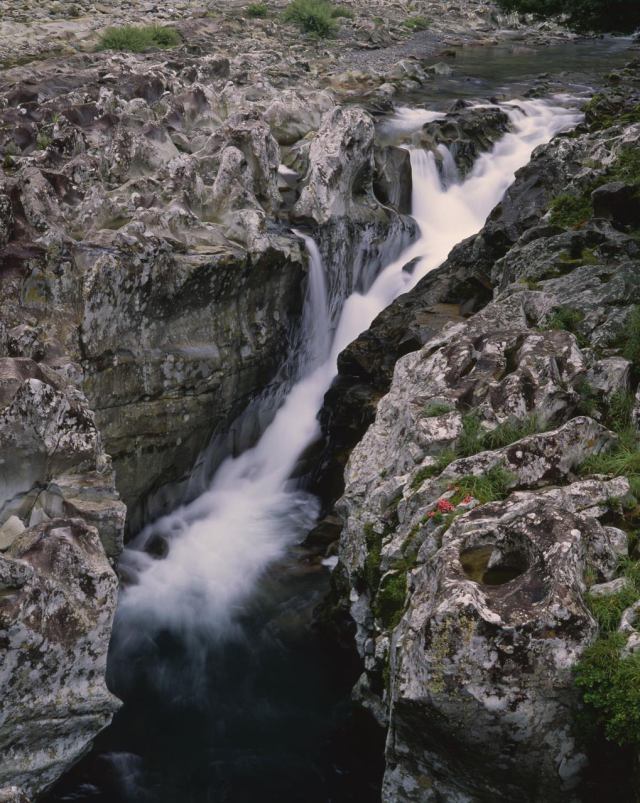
[618, 202]
[58, 599]
[392, 182]
[9, 531]
[466, 132]
[494, 616]
[607, 589]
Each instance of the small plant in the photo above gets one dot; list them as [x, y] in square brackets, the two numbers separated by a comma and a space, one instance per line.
[416, 23]
[608, 610]
[257, 10]
[631, 338]
[610, 686]
[138, 39]
[443, 460]
[570, 211]
[342, 12]
[313, 16]
[492, 486]
[389, 602]
[568, 320]
[43, 140]
[470, 440]
[435, 409]
[511, 431]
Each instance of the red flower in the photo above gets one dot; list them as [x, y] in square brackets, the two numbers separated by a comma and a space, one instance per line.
[444, 506]
[466, 500]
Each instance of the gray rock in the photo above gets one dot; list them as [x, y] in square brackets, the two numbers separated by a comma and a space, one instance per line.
[58, 599]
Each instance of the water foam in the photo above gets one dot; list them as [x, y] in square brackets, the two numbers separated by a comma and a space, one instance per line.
[221, 543]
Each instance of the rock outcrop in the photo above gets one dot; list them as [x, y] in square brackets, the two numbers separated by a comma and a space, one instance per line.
[60, 522]
[474, 532]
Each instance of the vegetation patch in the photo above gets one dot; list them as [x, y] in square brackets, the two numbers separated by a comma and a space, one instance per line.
[494, 485]
[374, 557]
[315, 17]
[568, 320]
[570, 211]
[389, 603]
[444, 459]
[511, 431]
[435, 409]
[137, 39]
[257, 10]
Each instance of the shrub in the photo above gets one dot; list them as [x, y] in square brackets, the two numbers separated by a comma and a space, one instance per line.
[570, 211]
[608, 610]
[137, 39]
[256, 10]
[610, 686]
[313, 16]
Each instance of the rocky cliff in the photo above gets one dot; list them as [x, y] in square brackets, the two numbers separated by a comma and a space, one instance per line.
[489, 507]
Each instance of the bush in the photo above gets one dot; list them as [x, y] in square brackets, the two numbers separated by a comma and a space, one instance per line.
[137, 39]
[256, 10]
[568, 320]
[341, 12]
[435, 409]
[622, 16]
[313, 16]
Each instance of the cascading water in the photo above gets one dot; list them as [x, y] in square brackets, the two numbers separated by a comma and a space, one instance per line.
[221, 542]
[192, 639]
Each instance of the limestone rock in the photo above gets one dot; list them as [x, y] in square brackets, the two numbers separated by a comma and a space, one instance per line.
[58, 599]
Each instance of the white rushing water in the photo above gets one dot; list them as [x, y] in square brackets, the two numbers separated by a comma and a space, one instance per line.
[222, 542]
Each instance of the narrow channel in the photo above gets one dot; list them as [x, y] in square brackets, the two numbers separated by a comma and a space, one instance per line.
[228, 695]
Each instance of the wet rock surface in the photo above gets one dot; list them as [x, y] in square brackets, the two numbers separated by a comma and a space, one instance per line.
[473, 534]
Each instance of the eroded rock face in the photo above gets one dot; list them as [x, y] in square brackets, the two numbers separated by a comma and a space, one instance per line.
[61, 522]
[57, 599]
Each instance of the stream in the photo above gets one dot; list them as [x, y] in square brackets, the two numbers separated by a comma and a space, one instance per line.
[229, 694]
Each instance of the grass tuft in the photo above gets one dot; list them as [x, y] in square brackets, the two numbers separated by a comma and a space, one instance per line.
[492, 486]
[312, 16]
[256, 10]
[138, 39]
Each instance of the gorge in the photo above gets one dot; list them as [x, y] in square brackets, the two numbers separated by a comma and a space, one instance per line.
[235, 304]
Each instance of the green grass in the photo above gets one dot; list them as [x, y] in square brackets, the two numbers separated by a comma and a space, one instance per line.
[568, 320]
[511, 431]
[342, 12]
[470, 440]
[631, 339]
[256, 10]
[312, 16]
[434, 409]
[389, 603]
[570, 211]
[492, 486]
[443, 460]
[137, 39]
[610, 686]
[416, 23]
[608, 610]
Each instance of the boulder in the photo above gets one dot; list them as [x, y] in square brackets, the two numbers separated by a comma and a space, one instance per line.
[58, 596]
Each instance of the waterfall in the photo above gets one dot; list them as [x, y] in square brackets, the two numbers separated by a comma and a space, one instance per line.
[252, 512]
